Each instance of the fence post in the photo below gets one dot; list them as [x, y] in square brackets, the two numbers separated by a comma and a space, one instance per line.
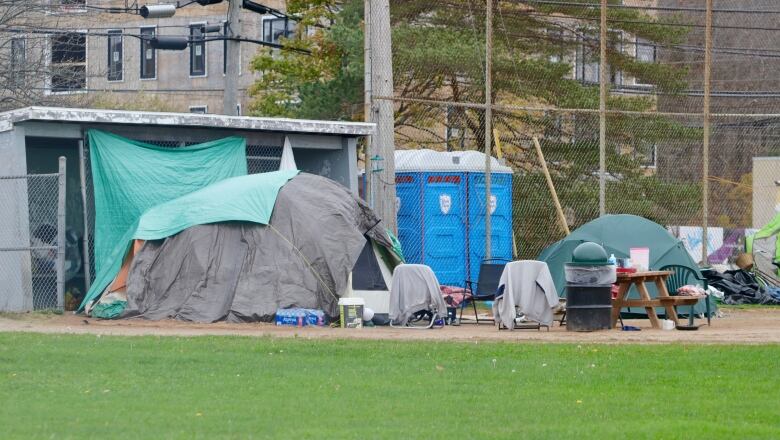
[61, 182]
[85, 241]
[603, 111]
[488, 121]
[705, 180]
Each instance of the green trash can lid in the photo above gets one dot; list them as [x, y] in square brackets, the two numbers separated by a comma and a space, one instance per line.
[589, 254]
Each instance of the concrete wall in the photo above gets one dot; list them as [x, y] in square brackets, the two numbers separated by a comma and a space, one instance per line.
[15, 270]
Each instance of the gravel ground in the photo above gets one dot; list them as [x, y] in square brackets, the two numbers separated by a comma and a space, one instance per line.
[736, 326]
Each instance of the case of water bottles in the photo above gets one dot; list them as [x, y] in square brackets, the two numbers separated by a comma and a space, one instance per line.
[300, 317]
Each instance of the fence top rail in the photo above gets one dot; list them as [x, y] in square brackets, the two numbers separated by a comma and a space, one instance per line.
[510, 108]
[27, 176]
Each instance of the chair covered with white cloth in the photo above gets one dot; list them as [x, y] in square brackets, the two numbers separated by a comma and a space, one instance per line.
[527, 290]
[414, 295]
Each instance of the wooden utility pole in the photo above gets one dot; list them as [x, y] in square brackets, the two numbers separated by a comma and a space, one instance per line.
[705, 183]
[233, 57]
[367, 101]
[383, 142]
[603, 78]
[488, 122]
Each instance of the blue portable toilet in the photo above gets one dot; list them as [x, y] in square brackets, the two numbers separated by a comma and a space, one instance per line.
[441, 211]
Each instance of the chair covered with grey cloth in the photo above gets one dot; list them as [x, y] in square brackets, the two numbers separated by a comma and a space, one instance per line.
[415, 291]
[526, 288]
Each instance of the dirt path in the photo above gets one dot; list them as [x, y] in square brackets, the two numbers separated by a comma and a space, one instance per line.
[750, 326]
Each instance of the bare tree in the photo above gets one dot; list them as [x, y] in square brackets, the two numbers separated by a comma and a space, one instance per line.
[41, 60]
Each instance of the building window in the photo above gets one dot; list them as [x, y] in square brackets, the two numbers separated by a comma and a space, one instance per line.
[646, 52]
[68, 62]
[225, 31]
[72, 5]
[275, 29]
[115, 56]
[199, 109]
[555, 40]
[587, 64]
[197, 51]
[18, 59]
[148, 54]
[646, 154]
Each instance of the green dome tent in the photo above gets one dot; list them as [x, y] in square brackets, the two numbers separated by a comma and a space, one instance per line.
[617, 234]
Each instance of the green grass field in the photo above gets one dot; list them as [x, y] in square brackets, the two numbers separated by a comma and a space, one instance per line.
[57, 386]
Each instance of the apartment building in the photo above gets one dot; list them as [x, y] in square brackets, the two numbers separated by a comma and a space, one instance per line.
[101, 51]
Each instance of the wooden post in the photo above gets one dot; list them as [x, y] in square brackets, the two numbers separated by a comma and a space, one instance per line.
[383, 141]
[558, 209]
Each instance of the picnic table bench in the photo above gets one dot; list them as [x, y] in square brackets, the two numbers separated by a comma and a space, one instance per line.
[638, 279]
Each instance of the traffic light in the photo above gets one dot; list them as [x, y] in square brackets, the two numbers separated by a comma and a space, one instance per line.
[208, 2]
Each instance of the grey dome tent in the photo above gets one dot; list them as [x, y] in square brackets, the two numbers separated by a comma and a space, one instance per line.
[617, 234]
[243, 271]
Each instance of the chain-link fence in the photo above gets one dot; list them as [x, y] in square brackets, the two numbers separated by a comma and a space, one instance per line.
[259, 159]
[32, 243]
[545, 69]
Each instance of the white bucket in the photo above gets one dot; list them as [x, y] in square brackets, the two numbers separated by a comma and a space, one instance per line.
[351, 311]
[667, 324]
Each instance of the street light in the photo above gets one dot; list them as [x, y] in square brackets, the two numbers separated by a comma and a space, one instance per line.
[157, 11]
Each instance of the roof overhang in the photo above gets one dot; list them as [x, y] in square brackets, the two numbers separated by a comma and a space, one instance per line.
[124, 117]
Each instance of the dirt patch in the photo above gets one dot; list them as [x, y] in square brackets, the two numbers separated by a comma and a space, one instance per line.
[750, 326]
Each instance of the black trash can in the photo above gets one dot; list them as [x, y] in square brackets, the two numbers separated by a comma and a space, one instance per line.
[588, 307]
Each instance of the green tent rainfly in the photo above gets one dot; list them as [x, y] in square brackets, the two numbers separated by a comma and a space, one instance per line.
[617, 234]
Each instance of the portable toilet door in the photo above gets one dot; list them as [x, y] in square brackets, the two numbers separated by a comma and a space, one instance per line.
[409, 211]
[500, 219]
[444, 226]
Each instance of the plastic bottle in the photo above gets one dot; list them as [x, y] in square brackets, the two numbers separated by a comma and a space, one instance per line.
[612, 260]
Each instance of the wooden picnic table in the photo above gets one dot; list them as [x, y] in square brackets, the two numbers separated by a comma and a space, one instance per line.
[638, 279]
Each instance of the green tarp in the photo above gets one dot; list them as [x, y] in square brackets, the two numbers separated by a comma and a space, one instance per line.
[130, 177]
[245, 198]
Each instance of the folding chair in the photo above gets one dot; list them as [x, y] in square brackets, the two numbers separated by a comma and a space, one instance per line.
[486, 286]
[415, 297]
